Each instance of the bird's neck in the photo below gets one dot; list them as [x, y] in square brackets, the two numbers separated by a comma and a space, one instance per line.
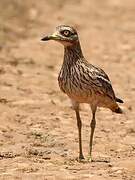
[73, 54]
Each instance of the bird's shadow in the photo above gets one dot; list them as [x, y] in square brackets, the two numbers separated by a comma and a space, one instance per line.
[98, 160]
[101, 160]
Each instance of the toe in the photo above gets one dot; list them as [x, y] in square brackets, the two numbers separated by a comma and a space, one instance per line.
[89, 158]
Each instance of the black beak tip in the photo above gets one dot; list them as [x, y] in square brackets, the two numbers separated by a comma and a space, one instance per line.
[46, 38]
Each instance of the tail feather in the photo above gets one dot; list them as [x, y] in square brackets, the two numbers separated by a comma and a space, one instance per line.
[119, 100]
[118, 110]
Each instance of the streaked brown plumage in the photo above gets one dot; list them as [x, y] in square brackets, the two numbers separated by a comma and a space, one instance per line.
[81, 81]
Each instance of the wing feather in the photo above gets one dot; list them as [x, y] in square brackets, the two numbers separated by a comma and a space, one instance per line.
[102, 81]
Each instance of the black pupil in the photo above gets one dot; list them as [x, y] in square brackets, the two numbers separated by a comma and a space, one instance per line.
[66, 32]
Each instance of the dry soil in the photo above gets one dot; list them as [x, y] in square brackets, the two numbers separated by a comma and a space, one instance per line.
[38, 133]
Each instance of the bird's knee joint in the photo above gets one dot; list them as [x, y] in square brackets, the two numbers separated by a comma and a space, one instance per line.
[93, 124]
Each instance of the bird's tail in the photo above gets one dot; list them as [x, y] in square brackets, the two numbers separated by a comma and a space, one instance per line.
[115, 108]
[119, 100]
[118, 110]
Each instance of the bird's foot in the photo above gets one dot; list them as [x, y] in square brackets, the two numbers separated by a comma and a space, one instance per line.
[89, 158]
[81, 158]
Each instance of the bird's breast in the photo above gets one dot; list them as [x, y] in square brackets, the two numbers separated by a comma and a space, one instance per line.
[71, 84]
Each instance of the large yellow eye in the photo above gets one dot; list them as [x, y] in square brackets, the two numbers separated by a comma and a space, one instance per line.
[66, 33]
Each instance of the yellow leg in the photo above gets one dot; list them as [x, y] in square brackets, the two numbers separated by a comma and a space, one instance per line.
[93, 124]
[79, 125]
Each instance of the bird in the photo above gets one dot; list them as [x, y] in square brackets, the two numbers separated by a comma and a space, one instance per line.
[82, 82]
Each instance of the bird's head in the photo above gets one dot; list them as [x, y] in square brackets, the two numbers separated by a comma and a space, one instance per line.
[66, 35]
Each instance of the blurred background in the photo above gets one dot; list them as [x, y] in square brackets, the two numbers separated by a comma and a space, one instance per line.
[38, 133]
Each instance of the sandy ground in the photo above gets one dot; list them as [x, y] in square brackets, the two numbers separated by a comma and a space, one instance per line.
[38, 133]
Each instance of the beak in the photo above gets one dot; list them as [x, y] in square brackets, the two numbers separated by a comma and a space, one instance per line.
[46, 38]
[53, 36]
